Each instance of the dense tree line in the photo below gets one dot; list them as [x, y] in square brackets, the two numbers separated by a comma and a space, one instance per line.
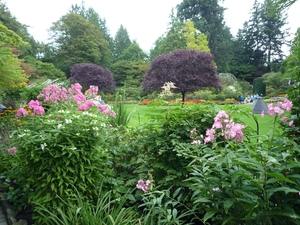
[82, 36]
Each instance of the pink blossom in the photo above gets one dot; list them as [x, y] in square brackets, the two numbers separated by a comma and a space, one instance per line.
[39, 110]
[83, 107]
[113, 114]
[12, 150]
[93, 91]
[143, 185]
[284, 119]
[21, 111]
[262, 114]
[34, 103]
[291, 123]
[63, 94]
[287, 105]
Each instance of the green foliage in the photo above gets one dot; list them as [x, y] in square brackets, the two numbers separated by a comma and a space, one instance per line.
[208, 18]
[122, 117]
[259, 86]
[62, 136]
[10, 69]
[165, 208]
[255, 184]
[170, 128]
[106, 210]
[45, 69]
[121, 41]
[84, 44]
[195, 41]
[293, 70]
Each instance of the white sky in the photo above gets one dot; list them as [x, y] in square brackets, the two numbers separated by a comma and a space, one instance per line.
[144, 20]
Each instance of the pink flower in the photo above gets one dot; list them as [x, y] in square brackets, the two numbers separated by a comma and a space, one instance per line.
[291, 123]
[39, 110]
[21, 111]
[262, 114]
[143, 185]
[284, 119]
[12, 150]
[34, 103]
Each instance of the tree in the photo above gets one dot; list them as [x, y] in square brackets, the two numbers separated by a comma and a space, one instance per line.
[172, 40]
[87, 74]
[194, 41]
[208, 18]
[189, 70]
[273, 35]
[76, 40]
[21, 30]
[10, 69]
[121, 41]
[134, 53]
[91, 15]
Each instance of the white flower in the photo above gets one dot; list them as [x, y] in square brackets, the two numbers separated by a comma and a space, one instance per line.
[96, 134]
[59, 126]
[61, 111]
[73, 148]
[43, 146]
[77, 134]
[95, 128]
[216, 189]
[68, 121]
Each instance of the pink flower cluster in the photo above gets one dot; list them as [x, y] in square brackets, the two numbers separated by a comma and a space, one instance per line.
[222, 123]
[278, 109]
[54, 95]
[144, 185]
[12, 150]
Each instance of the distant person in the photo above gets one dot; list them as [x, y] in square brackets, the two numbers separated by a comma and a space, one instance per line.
[242, 99]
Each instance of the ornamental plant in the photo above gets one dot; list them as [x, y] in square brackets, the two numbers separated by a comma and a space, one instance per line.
[254, 182]
[61, 145]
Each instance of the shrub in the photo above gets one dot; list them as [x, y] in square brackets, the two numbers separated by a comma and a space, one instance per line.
[62, 146]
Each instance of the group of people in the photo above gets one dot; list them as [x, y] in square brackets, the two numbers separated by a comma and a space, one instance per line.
[248, 99]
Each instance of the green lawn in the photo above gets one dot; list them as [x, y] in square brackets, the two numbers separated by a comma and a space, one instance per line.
[142, 114]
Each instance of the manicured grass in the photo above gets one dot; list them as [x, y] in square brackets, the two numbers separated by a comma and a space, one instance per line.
[142, 114]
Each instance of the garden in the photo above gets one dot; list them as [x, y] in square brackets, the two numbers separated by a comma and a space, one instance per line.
[68, 160]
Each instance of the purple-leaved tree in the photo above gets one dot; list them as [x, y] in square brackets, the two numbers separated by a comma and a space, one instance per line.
[87, 74]
[189, 70]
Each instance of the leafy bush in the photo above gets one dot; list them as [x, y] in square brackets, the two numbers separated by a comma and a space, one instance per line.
[62, 146]
[252, 182]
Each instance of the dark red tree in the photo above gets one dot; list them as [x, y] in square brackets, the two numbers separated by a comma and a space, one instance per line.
[189, 70]
[87, 74]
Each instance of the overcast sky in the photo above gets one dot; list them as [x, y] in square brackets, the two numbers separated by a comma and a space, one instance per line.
[144, 20]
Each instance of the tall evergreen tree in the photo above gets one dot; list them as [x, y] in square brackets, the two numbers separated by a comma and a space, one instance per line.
[76, 40]
[121, 41]
[273, 35]
[91, 15]
[208, 18]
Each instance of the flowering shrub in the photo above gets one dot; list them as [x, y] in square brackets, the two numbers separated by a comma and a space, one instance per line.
[61, 145]
[228, 129]
[254, 182]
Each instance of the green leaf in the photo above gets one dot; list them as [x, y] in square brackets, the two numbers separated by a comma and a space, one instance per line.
[286, 190]
[209, 215]
[280, 177]
[227, 204]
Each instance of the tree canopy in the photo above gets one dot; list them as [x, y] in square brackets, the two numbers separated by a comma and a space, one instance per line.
[208, 18]
[76, 40]
[189, 70]
[10, 67]
[87, 74]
